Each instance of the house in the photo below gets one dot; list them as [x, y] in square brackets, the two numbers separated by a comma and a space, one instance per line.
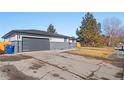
[36, 40]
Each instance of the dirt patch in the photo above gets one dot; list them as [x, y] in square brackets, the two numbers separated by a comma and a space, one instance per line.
[37, 65]
[56, 75]
[18, 57]
[63, 56]
[34, 71]
[103, 78]
[14, 74]
[120, 75]
[64, 68]
[62, 78]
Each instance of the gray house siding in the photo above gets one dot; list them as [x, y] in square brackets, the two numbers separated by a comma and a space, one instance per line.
[52, 46]
[59, 45]
[17, 46]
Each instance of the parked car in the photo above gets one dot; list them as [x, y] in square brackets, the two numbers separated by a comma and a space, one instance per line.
[120, 47]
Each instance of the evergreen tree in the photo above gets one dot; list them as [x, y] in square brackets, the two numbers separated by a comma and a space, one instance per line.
[51, 29]
[89, 32]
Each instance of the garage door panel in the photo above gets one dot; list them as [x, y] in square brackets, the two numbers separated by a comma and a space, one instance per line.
[35, 44]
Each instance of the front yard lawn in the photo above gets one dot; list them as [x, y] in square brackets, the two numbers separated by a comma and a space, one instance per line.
[107, 54]
[94, 52]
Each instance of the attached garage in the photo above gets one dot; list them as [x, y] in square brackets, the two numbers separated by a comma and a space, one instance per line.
[36, 40]
[35, 44]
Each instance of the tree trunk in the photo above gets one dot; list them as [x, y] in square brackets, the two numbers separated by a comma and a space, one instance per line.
[109, 42]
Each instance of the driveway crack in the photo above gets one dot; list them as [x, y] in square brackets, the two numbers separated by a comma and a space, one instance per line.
[46, 74]
[82, 77]
[93, 72]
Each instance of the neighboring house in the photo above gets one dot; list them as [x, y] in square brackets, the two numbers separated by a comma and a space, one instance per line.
[36, 40]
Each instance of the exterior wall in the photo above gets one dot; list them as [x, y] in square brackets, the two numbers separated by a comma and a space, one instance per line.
[12, 38]
[17, 48]
[55, 42]
[59, 45]
[72, 43]
[53, 39]
[20, 46]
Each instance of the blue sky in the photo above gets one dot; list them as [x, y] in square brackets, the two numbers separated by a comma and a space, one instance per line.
[64, 22]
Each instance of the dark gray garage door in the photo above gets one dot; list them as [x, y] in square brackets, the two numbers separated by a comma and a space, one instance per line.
[35, 44]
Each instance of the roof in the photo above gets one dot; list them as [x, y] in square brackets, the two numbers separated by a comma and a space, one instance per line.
[35, 32]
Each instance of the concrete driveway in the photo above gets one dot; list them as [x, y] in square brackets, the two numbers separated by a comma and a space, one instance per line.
[57, 65]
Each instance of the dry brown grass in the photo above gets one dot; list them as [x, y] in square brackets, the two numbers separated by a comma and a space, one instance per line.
[95, 52]
[105, 54]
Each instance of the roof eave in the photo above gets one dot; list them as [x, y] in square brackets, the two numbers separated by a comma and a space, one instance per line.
[8, 34]
[17, 31]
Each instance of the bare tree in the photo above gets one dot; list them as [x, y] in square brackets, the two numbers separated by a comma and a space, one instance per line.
[112, 28]
[121, 34]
